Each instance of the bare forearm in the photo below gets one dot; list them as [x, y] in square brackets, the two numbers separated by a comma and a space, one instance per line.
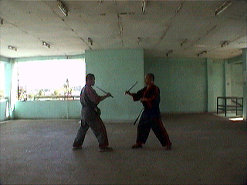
[102, 98]
[105, 96]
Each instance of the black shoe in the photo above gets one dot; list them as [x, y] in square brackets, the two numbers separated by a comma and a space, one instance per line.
[136, 146]
[77, 147]
[105, 149]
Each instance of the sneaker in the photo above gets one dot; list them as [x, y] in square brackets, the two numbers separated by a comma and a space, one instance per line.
[77, 147]
[105, 149]
[136, 146]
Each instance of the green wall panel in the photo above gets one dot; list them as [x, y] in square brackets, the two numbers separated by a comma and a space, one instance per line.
[187, 85]
[237, 79]
[116, 71]
[216, 83]
[2, 110]
[47, 109]
[182, 82]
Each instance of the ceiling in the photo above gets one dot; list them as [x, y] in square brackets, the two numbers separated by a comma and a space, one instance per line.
[165, 28]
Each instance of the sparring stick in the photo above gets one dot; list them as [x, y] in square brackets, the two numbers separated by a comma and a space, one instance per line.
[138, 117]
[103, 91]
[132, 86]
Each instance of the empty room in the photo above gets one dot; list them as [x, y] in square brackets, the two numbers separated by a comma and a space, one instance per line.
[123, 92]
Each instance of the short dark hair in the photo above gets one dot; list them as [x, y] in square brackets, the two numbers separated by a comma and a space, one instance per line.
[151, 75]
[90, 76]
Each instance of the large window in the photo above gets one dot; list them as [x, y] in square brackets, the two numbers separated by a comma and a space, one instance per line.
[2, 80]
[54, 79]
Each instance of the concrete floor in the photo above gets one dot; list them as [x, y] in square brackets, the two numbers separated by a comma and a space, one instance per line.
[206, 150]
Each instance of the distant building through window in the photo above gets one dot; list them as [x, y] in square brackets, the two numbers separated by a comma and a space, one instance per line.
[53, 79]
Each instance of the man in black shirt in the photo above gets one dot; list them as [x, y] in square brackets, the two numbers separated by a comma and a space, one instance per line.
[150, 118]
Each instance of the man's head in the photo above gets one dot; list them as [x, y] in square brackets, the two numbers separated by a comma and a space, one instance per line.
[90, 79]
[149, 79]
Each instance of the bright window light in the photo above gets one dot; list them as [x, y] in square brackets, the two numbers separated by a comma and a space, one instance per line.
[2, 82]
[50, 78]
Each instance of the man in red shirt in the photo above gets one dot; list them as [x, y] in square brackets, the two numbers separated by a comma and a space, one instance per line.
[90, 116]
[150, 118]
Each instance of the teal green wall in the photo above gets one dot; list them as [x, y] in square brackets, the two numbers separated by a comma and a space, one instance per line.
[116, 71]
[237, 79]
[234, 79]
[182, 83]
[187, 85]
[2, 110]
[8, 67]
[215, 82]
[4, 59]
[8, 91]
[47, 109]
[234, 76]
[3, 102]
[236, 59]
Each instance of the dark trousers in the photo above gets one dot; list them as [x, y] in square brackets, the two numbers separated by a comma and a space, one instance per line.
[156, 124]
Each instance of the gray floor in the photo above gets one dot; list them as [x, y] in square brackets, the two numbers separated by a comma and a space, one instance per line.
[206, 150]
